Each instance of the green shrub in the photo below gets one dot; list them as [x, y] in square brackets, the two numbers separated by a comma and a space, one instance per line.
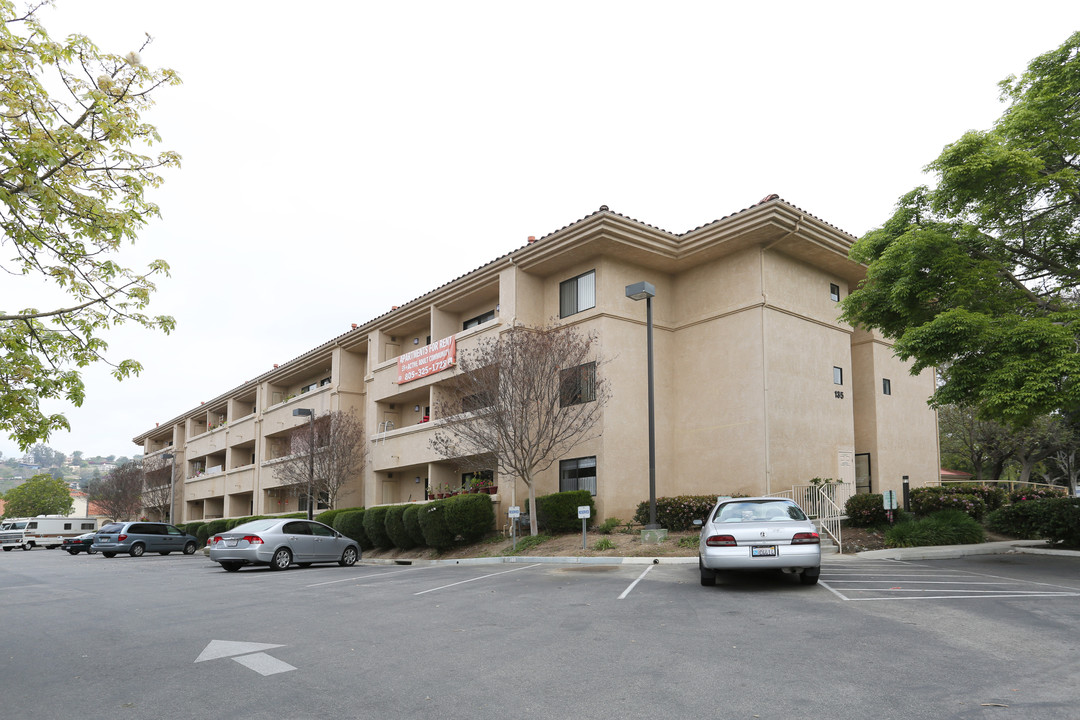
[350, 523]
[677, 513]
[608, 526]
[326, 517]
[928, 500]
[216, 526]
[302, 515]
[604, 544]
[945, 527]
[557, 512]
[202, 533]
[192, 528]
[375, 527]
[472, 516]
[395, 528]
[866, 510]
[411, 518]
[433, 525]
[1036, 493]
[1021, 519]
[689, 541]
[1061, 521]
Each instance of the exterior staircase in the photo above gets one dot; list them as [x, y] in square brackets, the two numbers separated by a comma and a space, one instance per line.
[828, 547]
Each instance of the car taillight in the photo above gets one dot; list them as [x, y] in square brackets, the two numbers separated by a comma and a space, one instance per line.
[216, 540]
[809, 538]
[720, 541]
[121, 538]
[253, 540]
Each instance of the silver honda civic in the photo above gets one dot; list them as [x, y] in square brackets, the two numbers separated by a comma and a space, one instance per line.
[280, 542]
[758, 533]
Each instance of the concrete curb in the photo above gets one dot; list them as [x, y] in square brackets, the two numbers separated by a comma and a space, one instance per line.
[945, 552]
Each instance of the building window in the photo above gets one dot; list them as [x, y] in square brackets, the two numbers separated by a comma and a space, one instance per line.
[577, 385]
[323, 502]
[834, 292]
[577, 294]
[478, 320]
[886, 386]
[838, 376]
[578, 474]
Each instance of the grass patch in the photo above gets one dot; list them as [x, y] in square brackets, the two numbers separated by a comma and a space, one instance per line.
[604, 544]
[947, 527]
[526, 543]
[690, 541]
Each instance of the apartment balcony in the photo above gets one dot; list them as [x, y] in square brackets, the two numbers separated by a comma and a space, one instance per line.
[403, 446]
[280, 417]
[240, 480]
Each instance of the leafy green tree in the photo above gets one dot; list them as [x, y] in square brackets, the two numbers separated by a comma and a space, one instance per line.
[72, 183]
[979, 275]
[40, 495]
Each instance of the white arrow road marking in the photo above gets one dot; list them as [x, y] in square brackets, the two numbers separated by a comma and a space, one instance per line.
[264, 664]
[227, 648]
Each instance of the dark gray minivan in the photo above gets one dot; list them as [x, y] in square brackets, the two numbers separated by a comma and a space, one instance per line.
[136, 538]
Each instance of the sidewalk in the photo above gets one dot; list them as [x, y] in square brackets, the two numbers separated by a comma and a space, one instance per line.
[944, 552]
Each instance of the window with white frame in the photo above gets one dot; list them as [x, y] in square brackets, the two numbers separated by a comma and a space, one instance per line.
[578, 474]
[577, 294]
[838, 376]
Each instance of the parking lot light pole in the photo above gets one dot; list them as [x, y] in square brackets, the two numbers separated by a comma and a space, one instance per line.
[172, 480]
[310, 414]
[646, 291]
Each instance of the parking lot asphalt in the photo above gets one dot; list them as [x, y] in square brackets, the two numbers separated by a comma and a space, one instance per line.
[177, 637]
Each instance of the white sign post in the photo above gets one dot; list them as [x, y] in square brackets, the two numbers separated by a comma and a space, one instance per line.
[584, 512]
[514, 512]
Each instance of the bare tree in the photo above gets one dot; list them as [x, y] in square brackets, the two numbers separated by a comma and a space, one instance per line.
[522, 400]
[155, 497]
[340, 453]
[1065, 470]
[119, 494]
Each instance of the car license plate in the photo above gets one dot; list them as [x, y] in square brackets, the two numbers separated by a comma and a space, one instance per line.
[231, 543]
[763, 551]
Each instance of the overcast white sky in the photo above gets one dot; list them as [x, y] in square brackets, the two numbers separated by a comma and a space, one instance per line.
[343, 157]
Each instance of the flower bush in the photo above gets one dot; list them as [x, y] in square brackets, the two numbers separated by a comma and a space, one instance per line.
[927, 500]
[1036, 493]
[866, 510]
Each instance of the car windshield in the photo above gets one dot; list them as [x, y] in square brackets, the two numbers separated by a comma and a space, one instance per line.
[758, 511]
[256, 525]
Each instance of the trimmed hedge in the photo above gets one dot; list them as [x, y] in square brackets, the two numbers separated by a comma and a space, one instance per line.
[678, 513]
[928, 500]
[411, 518]
[216, 526]
[1022, 519]
[395, 528]
[350, 523]
[1062, 521]
[202, 533]
[866, 510]
[375, 527]
[1036, 493]
[432, 517]
[945, 527]
[326, 517]
[471, 517]
[1057, 519]
[192, 528]
[557, 512]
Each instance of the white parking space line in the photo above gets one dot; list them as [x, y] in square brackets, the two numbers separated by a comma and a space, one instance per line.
[639, 579]
[482, 577]
[376, 576]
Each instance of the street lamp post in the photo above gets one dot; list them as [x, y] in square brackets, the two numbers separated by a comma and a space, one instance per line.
[310, 415]
[172, 480]
[646, 291]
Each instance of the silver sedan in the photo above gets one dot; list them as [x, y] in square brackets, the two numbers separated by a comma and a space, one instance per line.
[758, 533]
[280, 542]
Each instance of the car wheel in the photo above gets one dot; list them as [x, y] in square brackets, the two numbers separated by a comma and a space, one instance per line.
[348, 557]
[189, 549]
[109, 554]
[28, 546]
[810, 576]
[282, 559]
[231, 566]
[708, 577]
[73, 552]
[7, 549]
[137, 550]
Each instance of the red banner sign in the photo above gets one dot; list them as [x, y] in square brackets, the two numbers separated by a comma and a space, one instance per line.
[427, 360]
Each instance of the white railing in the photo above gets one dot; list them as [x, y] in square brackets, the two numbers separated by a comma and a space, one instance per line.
[823, 503]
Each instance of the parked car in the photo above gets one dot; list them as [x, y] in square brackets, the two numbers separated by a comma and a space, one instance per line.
[279, 542]
[78, 544]
[136, 538]
[758, 533]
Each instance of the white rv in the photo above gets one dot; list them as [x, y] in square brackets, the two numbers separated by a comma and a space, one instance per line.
[46, 531]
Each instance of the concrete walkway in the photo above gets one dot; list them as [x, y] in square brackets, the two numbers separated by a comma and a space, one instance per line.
[943, 552]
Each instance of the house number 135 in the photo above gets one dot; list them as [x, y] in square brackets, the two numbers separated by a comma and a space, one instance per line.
[838, 394]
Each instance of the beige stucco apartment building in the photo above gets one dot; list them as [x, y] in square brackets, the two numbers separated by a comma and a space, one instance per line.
[758, 385]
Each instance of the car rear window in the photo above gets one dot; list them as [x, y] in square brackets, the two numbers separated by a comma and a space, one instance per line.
[255, 525]
[758, 511]
[111, 527]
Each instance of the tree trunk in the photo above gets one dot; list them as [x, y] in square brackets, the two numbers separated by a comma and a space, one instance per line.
[532, 506]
